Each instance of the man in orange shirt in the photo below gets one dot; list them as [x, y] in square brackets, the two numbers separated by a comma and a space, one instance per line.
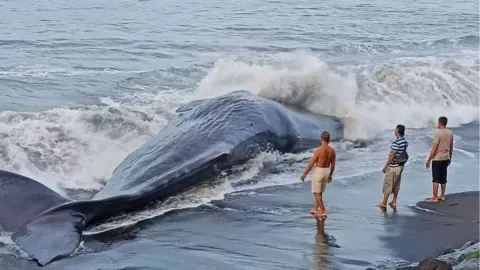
[440, 157]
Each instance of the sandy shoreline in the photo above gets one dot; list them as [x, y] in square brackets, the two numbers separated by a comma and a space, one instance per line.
[413, 238]
[436, 226]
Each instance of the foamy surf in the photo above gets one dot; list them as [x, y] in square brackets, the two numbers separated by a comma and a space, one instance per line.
[371, 97]
[78, 148]
[426, 210]
[193, 198]
[465, 152]
[8, 246]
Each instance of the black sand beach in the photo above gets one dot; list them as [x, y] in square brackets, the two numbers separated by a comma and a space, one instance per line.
[436, 226]
[433, 228]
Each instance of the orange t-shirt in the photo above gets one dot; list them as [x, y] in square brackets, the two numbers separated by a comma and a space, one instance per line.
[444, 138]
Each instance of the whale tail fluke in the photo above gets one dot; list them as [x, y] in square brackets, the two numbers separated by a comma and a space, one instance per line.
[45, 237]
[52, 236]
[22, 199]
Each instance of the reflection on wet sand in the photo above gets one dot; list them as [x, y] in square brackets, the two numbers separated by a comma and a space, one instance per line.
[320, 254]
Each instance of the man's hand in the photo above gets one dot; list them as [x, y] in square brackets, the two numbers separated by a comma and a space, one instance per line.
[303, 177]
[385, 169]
[330, 177]
[449, 161]
[427, 165]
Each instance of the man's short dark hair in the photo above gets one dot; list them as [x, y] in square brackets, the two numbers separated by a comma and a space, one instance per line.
[325, 136]
[443, 120]
[401, 129]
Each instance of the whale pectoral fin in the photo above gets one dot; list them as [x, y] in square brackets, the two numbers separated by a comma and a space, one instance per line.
[52, 236]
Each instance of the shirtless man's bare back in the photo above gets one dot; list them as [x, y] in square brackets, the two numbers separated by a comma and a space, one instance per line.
[324, 161]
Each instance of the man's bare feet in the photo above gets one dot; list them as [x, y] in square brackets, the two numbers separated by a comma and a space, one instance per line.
[442, 198]
[433, 200]
[313, 211]
[382, 205]
[393, 204]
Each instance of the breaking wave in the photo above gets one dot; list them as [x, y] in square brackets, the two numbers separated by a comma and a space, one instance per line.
[78, 148]
[370, 98]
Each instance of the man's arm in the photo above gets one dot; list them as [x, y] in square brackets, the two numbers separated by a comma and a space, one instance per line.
[393, 152]
[451, 151]
[390, 159]
[332, 162]
[332, 165]
[310, 165]
[433, 152]
[451, 148]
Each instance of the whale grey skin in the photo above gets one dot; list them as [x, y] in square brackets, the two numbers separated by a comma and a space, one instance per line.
[207, 136]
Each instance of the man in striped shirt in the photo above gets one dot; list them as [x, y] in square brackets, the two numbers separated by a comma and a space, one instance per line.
[394, 167]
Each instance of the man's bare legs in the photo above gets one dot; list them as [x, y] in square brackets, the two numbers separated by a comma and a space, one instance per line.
[319, 204]
[314, 210]
[444, 187]
[383, 204]
[393, 203]
[435, 193]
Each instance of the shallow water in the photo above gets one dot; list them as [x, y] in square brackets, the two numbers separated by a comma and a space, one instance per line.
[84, 84]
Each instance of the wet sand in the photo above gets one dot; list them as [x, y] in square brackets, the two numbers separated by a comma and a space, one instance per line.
[243, 239]
[436, 226]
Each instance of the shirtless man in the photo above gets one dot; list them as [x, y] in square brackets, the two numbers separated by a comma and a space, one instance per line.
[324, 161]
[440, 157]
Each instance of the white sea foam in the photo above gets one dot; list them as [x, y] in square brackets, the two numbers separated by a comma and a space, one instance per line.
[79, 148]
[370, 97]
[466, 153]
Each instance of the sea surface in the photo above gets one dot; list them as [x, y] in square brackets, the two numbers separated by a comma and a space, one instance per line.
[84, 83]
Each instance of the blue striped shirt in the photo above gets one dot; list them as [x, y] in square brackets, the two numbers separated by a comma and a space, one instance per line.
[399, 146]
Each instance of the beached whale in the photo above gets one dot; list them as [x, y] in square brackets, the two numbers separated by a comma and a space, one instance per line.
[207, 136]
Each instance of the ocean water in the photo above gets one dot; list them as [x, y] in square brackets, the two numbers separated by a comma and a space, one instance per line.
[82, 84]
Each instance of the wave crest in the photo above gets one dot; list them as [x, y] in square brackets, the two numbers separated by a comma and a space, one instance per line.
[78, 148]
[413, 91]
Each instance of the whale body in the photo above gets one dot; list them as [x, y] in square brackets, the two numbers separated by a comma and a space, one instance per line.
[208, 136]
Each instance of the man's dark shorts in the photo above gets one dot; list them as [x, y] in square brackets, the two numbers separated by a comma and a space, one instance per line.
[439, 171]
